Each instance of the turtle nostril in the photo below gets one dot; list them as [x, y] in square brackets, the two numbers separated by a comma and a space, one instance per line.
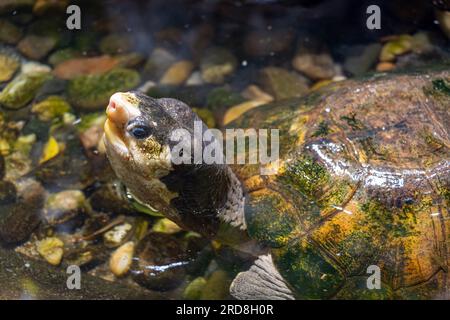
[116, 112]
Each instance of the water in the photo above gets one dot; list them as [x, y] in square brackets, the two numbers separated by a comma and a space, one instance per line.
[60, 202]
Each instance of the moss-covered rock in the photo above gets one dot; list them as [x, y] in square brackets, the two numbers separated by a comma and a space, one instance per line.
[8, 66]
[93, 91]
[19, 92]
[51, 108]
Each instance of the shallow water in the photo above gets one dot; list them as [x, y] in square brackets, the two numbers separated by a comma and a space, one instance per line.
[60, 202]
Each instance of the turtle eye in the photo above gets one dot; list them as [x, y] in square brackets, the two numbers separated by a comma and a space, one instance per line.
[140, 132]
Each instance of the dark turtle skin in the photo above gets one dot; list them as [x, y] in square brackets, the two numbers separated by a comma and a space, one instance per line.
[364, 181]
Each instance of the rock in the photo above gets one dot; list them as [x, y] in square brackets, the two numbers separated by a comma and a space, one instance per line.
[166, 226]
[217, 286]
[444, 21]
[361, 58]
[130, 60]
[22, 89]
[253, 92]
[385, 66]
[396, 45]
[267, 42]
[217, 63]
[158, 62]
[43, 6]
[281, 83]
[177, 73]
[121, 259]
[109, 199]
[116, 43]
[92, 92]
[8, 193]
[73, 68]
[62, 55]
[8, 66]
[36, 47]
[117, 235]
[51, 249]
[207, 116]
[53, 107]
[194, 289]
[236, 111]
[19, 219]
[222, 97]
[34, 67]
[7, 6]
[160, 262]
[9, 33]
[64, 206]
[195, 79]
[316, 65]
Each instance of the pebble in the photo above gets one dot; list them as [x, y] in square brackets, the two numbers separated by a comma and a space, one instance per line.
[75, 67]
[36, 47]
[315, 65]
[51, 249]
[281, 83]
[177, 73]
[217, 63]
[117, 235]
[8, 66]
[9, 33]
[166, 226]
[121, 259]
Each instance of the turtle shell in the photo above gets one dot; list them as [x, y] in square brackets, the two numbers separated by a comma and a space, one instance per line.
[363, 180]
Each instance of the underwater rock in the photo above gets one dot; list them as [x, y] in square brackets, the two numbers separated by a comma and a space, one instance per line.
[217, 286]
[19, 219]
[109, 199]
[160, 262]
[359, 59]
[117, 235]
[93, 91]
[395, 46]
[62, 55]
[130, 60]
[195, 79]
[8, 193]
[36, 47]
[9, 33]
[194, 289]
[177, 73]
[116, 43]
[267, 42]
[167, 226]
[253, 92]
[316, 65]
[11, 5]
[385, 66]
[217, 63]
[207, 116]
[64, 206]
[22, 89]
[282, 83]
[8, 66]
[51, 249]
[444, 21]
[158, 62]
[121, 259]
[51, 108]
[41, 7]
[76, 67]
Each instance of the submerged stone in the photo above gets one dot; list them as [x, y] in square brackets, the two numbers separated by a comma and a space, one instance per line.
[92, 92]
[21, 90]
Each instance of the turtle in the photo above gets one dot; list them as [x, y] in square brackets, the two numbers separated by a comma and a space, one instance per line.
[356, 208]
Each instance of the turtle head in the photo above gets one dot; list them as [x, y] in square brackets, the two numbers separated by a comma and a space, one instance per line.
[139, 141]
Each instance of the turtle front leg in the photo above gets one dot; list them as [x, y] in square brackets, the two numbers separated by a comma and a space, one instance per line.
[261, 282]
